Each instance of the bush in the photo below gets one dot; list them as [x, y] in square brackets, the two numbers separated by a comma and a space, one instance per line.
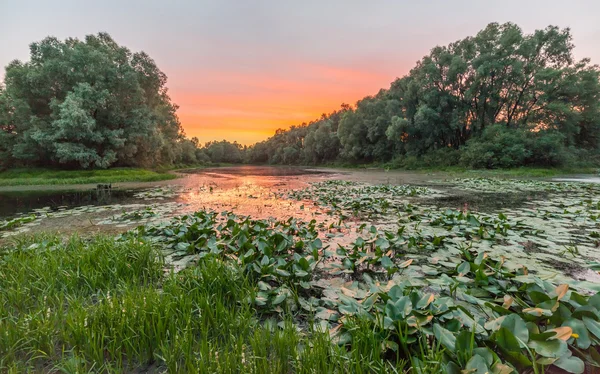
[502, 147]
[442, 157]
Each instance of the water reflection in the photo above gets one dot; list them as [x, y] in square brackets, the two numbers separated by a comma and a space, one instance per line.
[12, 203]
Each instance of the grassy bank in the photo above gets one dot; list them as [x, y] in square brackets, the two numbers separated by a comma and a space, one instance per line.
[102, 306]
[21, 177]
[459, 171]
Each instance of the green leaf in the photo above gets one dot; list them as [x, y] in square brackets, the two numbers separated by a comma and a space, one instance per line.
[425, 301]
[464, 268]
[506, 339]
[593, 326]
[282, 272]
[595, 301]
[579, 328]
[570, 364]
[300, 273]
[386, 262]
[515, 324]
[404, 306]
[445, 337]
[264, 261]
[477, 365]
[550, 348]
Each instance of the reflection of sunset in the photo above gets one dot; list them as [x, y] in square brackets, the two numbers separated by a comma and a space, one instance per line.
[216, 105]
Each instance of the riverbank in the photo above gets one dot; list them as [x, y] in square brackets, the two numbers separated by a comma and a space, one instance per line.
[86, 178]
[35, 177]
[459, 171]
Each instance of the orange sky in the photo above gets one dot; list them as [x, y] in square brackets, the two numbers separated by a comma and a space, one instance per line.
[258, 104]
[241, 69]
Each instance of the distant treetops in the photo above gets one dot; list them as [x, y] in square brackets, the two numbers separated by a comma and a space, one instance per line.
[499, 99]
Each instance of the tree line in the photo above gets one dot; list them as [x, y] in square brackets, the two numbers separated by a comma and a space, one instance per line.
[501, 98]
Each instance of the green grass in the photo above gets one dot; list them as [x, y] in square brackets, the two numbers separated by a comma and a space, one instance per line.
[521, 172]
[99, 305]
[459, 171]
[22, 177]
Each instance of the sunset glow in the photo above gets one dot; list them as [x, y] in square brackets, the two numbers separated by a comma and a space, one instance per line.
[239, 71]
[261, 104]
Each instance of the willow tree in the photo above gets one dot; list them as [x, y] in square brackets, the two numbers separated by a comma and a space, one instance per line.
[90, 103]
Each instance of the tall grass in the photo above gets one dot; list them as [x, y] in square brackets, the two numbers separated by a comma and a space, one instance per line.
[98, 305]
[21, 177]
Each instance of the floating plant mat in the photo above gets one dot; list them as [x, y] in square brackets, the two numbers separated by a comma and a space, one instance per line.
[500, 185]
[409, 287]
[123, 215]
[360, 199]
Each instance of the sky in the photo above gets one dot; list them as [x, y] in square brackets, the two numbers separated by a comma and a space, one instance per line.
[241, 69]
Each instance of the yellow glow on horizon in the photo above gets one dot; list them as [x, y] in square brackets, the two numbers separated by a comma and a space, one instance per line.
[248, 108]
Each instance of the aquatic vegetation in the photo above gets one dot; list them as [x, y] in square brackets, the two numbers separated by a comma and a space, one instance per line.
[470, 298]
[405, 285]
[358, 199]
[16, 222]
[510, 185]
[102, 305]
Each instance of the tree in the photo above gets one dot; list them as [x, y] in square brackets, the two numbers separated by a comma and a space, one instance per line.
[88, 103]
[516, 85]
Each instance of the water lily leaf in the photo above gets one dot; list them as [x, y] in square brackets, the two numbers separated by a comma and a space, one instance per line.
[418, 321]
[515, 324]
[594, 301]
[279, 298]
[324, 313]
[500, 368]
[404, 306]
[464, 268]
[549, 348]
[561, 291]
[445, 337]
[494, 324]
[563, 332]
[537, 312]
[382, 243]
[386, 262]
[347, 305]
[507, 340]
[425, 301]
[579, 329]
[570, 364]
[264, 261]
[300, 273]
[282, 272]
[405, 264]
[477, 365]
[593, 326]
[508, 300]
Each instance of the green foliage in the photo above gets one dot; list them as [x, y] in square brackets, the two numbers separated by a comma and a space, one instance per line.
[89, 103]
[21, 177]
[101, 305]
[498, 99]
[222, 152]
[501, 147]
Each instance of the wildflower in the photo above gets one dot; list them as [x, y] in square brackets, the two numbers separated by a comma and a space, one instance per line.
[575, 336]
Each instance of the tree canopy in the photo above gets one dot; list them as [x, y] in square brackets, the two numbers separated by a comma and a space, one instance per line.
[90, 103]
[500, 98]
